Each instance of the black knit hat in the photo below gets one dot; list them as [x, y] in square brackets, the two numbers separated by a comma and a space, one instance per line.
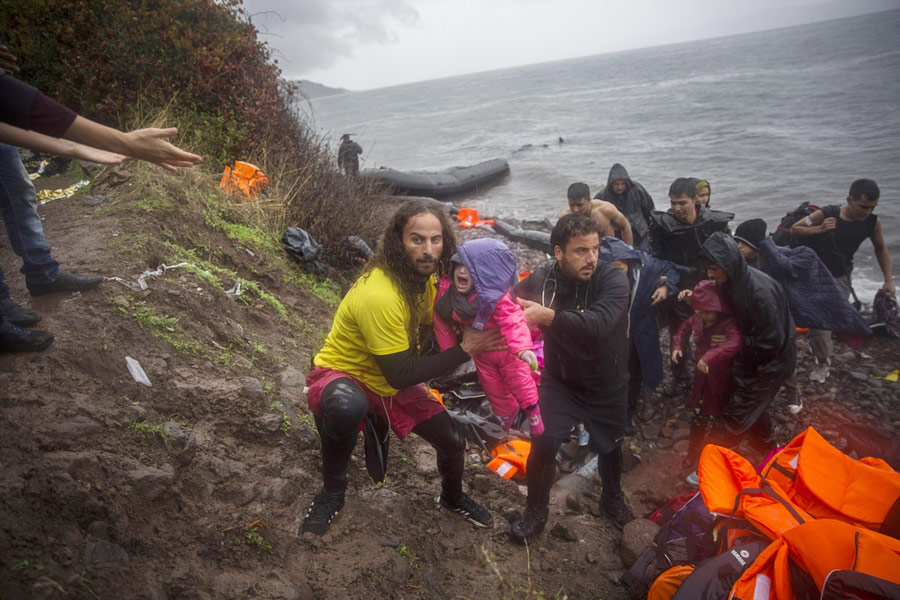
[751, 232]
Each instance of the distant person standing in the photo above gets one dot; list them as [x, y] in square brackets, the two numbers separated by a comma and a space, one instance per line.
[835, 233]
[348, 155]
[632, 200]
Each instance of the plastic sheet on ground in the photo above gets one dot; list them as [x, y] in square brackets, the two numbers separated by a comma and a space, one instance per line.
[137, 372]
[141, 284]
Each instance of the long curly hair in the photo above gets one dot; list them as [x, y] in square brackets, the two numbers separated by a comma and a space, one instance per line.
[391, 257]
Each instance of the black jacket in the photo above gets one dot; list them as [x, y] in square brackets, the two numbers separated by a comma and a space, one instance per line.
[586, 346]
[635, 203]
[680, 243]
[768, 354]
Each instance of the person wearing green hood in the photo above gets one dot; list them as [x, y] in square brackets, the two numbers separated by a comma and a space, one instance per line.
[703, 192]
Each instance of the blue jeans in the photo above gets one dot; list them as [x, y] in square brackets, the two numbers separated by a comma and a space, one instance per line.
[18, 207]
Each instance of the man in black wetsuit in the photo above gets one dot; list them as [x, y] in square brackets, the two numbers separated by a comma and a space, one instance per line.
[835, 233]
[370, 368]
[580, 304]
[348, 155]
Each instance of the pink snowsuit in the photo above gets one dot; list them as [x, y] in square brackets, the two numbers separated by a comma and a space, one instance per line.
[713, 388]
[507, 381]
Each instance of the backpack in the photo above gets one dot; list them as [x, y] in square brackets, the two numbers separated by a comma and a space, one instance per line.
[782, 234]
[685, 539]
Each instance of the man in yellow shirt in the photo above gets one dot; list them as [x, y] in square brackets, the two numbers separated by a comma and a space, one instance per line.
[370, 365]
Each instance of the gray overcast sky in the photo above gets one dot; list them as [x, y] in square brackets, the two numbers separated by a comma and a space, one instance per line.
[363, 44]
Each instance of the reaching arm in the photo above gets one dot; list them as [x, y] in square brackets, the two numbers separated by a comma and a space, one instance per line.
[883, 258]
[814, 224]
[619, 221]
[51, 145]
[145, 144]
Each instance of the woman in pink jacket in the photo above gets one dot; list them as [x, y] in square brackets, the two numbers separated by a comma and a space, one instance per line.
[477, 294]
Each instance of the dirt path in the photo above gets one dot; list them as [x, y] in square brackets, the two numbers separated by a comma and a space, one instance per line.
[195, 487]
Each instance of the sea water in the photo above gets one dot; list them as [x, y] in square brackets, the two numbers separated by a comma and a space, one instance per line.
[771, 119]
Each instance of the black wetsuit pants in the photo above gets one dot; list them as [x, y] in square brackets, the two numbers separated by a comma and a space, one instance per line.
[345, 405]
[561, 410]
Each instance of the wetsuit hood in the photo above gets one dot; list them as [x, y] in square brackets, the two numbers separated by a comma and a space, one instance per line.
[492, 268]
[618, 172]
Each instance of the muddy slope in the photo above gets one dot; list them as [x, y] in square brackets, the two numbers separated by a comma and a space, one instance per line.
[195, 487]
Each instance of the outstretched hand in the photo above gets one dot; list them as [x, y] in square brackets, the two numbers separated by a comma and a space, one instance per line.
[535, 314]
[150, 145]
[685, 295]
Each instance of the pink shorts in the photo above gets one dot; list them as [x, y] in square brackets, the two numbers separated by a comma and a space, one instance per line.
[403, 411]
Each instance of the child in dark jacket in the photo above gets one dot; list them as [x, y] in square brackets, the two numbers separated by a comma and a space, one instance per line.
[718, 340]
[477, 294]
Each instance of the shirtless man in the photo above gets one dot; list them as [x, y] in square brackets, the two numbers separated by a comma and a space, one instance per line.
[604, 213]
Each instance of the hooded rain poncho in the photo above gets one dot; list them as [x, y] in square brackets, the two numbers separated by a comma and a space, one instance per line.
[768, 354]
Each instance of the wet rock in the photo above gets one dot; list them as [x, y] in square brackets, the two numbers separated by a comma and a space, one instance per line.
[243, 361]
[173, 292]
[650, 431]
[235, 327]
[178, 438]
[104, 552]
[682, 433]
[252, 388]
[271, 422]
[564, 532]
[99, 530]
[664, 443]
[666, 431]
[681, 446]
[150, 482]
[637, 535]
[122, 301]
[859, 376]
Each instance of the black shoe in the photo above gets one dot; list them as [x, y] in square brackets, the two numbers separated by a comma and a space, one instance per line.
[15, 339]
[616, 509]
[65, 282]
[468, 508]
[322, 511]
[530, 525]
[17, 314]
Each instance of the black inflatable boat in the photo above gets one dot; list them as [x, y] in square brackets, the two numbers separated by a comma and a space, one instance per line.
[455, 180]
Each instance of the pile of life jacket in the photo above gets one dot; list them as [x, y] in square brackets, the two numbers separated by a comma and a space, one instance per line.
[244, 179]
[812, 523]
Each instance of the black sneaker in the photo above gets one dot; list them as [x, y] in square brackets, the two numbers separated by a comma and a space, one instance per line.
[530, 525]
[15, 339]
[64, 282]
[17, 314]
[471, 510]
[322, 512]
[617, 511]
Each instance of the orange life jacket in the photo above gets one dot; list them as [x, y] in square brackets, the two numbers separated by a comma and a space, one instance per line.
[818, 547]
[829, 484]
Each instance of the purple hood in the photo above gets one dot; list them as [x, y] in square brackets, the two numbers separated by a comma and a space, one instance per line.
[493, 270]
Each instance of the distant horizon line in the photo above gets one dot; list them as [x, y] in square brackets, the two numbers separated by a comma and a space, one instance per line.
[343, 90]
